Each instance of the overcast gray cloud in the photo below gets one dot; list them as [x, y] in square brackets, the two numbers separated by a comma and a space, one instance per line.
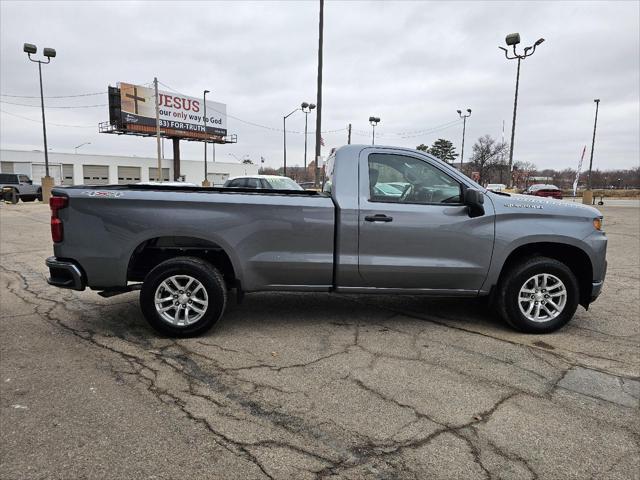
[410, 63]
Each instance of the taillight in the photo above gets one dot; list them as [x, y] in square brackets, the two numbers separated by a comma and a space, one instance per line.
[56, 204]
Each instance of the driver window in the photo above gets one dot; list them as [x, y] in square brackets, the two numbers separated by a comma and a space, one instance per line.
[404, 179]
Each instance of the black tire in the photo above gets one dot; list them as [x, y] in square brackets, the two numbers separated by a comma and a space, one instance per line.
[516, 277]
[14, 197]
[205, 273]
[39, 195]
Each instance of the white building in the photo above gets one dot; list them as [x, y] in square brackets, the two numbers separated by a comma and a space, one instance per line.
[79, 169]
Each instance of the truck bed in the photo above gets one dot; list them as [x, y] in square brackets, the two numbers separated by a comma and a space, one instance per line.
[273, 238]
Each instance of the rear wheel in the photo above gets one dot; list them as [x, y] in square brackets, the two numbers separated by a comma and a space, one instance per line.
[39, 195]
[539, 295]
[183, 296]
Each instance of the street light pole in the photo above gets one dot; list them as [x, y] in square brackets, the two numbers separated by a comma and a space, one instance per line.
[205, 182]
[306, 108]
[464, 129]
[81, 145]
[513, 39]
[373, 121]
[30, 49]
[284, 139]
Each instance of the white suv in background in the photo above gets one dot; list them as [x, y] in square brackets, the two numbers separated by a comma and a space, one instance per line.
[19, 187]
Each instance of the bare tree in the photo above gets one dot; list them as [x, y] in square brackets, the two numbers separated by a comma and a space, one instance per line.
[523, 171]
[487, 154]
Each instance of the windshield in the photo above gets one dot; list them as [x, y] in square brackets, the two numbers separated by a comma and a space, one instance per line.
[283, 183]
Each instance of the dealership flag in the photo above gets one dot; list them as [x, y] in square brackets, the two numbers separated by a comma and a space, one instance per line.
[575, 182]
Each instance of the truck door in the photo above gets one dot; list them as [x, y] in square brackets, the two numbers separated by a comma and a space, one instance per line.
[414, 231]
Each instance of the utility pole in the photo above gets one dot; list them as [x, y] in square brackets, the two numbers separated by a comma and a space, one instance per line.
[319, 97]
[349, 135]
[587, 197]
[155, 86]
[464, 130]
[205, 182]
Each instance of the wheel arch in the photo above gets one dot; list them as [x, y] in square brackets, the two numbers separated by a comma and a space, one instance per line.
[572, 256]
[152, 251]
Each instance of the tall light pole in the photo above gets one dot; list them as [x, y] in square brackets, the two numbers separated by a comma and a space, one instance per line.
[513, 39]
[306, 108]
[30, 49]
[81, 145]
[373, 121]
[205, 182]
[464, 129]
[284, 139]
[589, 196]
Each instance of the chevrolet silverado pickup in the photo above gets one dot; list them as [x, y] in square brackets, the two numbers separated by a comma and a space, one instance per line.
[387, 221]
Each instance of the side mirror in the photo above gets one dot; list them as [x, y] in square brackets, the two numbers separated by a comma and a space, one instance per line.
[474, 200]
[30, 182]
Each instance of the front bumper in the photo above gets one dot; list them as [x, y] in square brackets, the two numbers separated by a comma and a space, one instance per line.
[596, 287]
[65, 274]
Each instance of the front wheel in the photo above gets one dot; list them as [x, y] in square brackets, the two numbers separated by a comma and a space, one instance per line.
[539, 295]
[183, 296]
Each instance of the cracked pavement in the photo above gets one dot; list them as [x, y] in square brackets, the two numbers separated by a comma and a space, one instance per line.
[313, 385]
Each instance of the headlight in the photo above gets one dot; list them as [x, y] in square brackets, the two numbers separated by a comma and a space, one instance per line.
[597, 223]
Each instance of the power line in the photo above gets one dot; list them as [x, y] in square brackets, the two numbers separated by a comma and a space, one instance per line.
[54, 106]
[48, 123]
[54, 96]
[273, 129]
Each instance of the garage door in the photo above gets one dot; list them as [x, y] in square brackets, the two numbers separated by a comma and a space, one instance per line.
[38, 171]
[217, 179]
[128, 175]
[153, 172]
[95, 174]
[6, 167]
[67, 174]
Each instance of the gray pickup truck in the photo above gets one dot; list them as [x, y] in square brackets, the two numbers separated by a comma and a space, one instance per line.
[388, 221]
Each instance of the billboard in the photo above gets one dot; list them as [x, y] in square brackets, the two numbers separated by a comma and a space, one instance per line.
[180, 116]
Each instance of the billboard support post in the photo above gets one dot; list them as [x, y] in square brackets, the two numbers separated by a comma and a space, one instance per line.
[155, 86]
[176, 158]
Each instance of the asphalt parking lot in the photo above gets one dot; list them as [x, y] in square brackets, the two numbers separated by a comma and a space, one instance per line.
[312, 385]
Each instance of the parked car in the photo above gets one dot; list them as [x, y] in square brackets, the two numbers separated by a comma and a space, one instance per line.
[19, 187]
[266, 182]
[543, 190]
[308, 185]
[187, 248]
[496, 187]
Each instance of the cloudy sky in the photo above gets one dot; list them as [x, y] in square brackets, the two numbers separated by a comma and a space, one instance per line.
[413, 64]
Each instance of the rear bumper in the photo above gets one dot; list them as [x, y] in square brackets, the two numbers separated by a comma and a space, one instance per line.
[65, 274]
